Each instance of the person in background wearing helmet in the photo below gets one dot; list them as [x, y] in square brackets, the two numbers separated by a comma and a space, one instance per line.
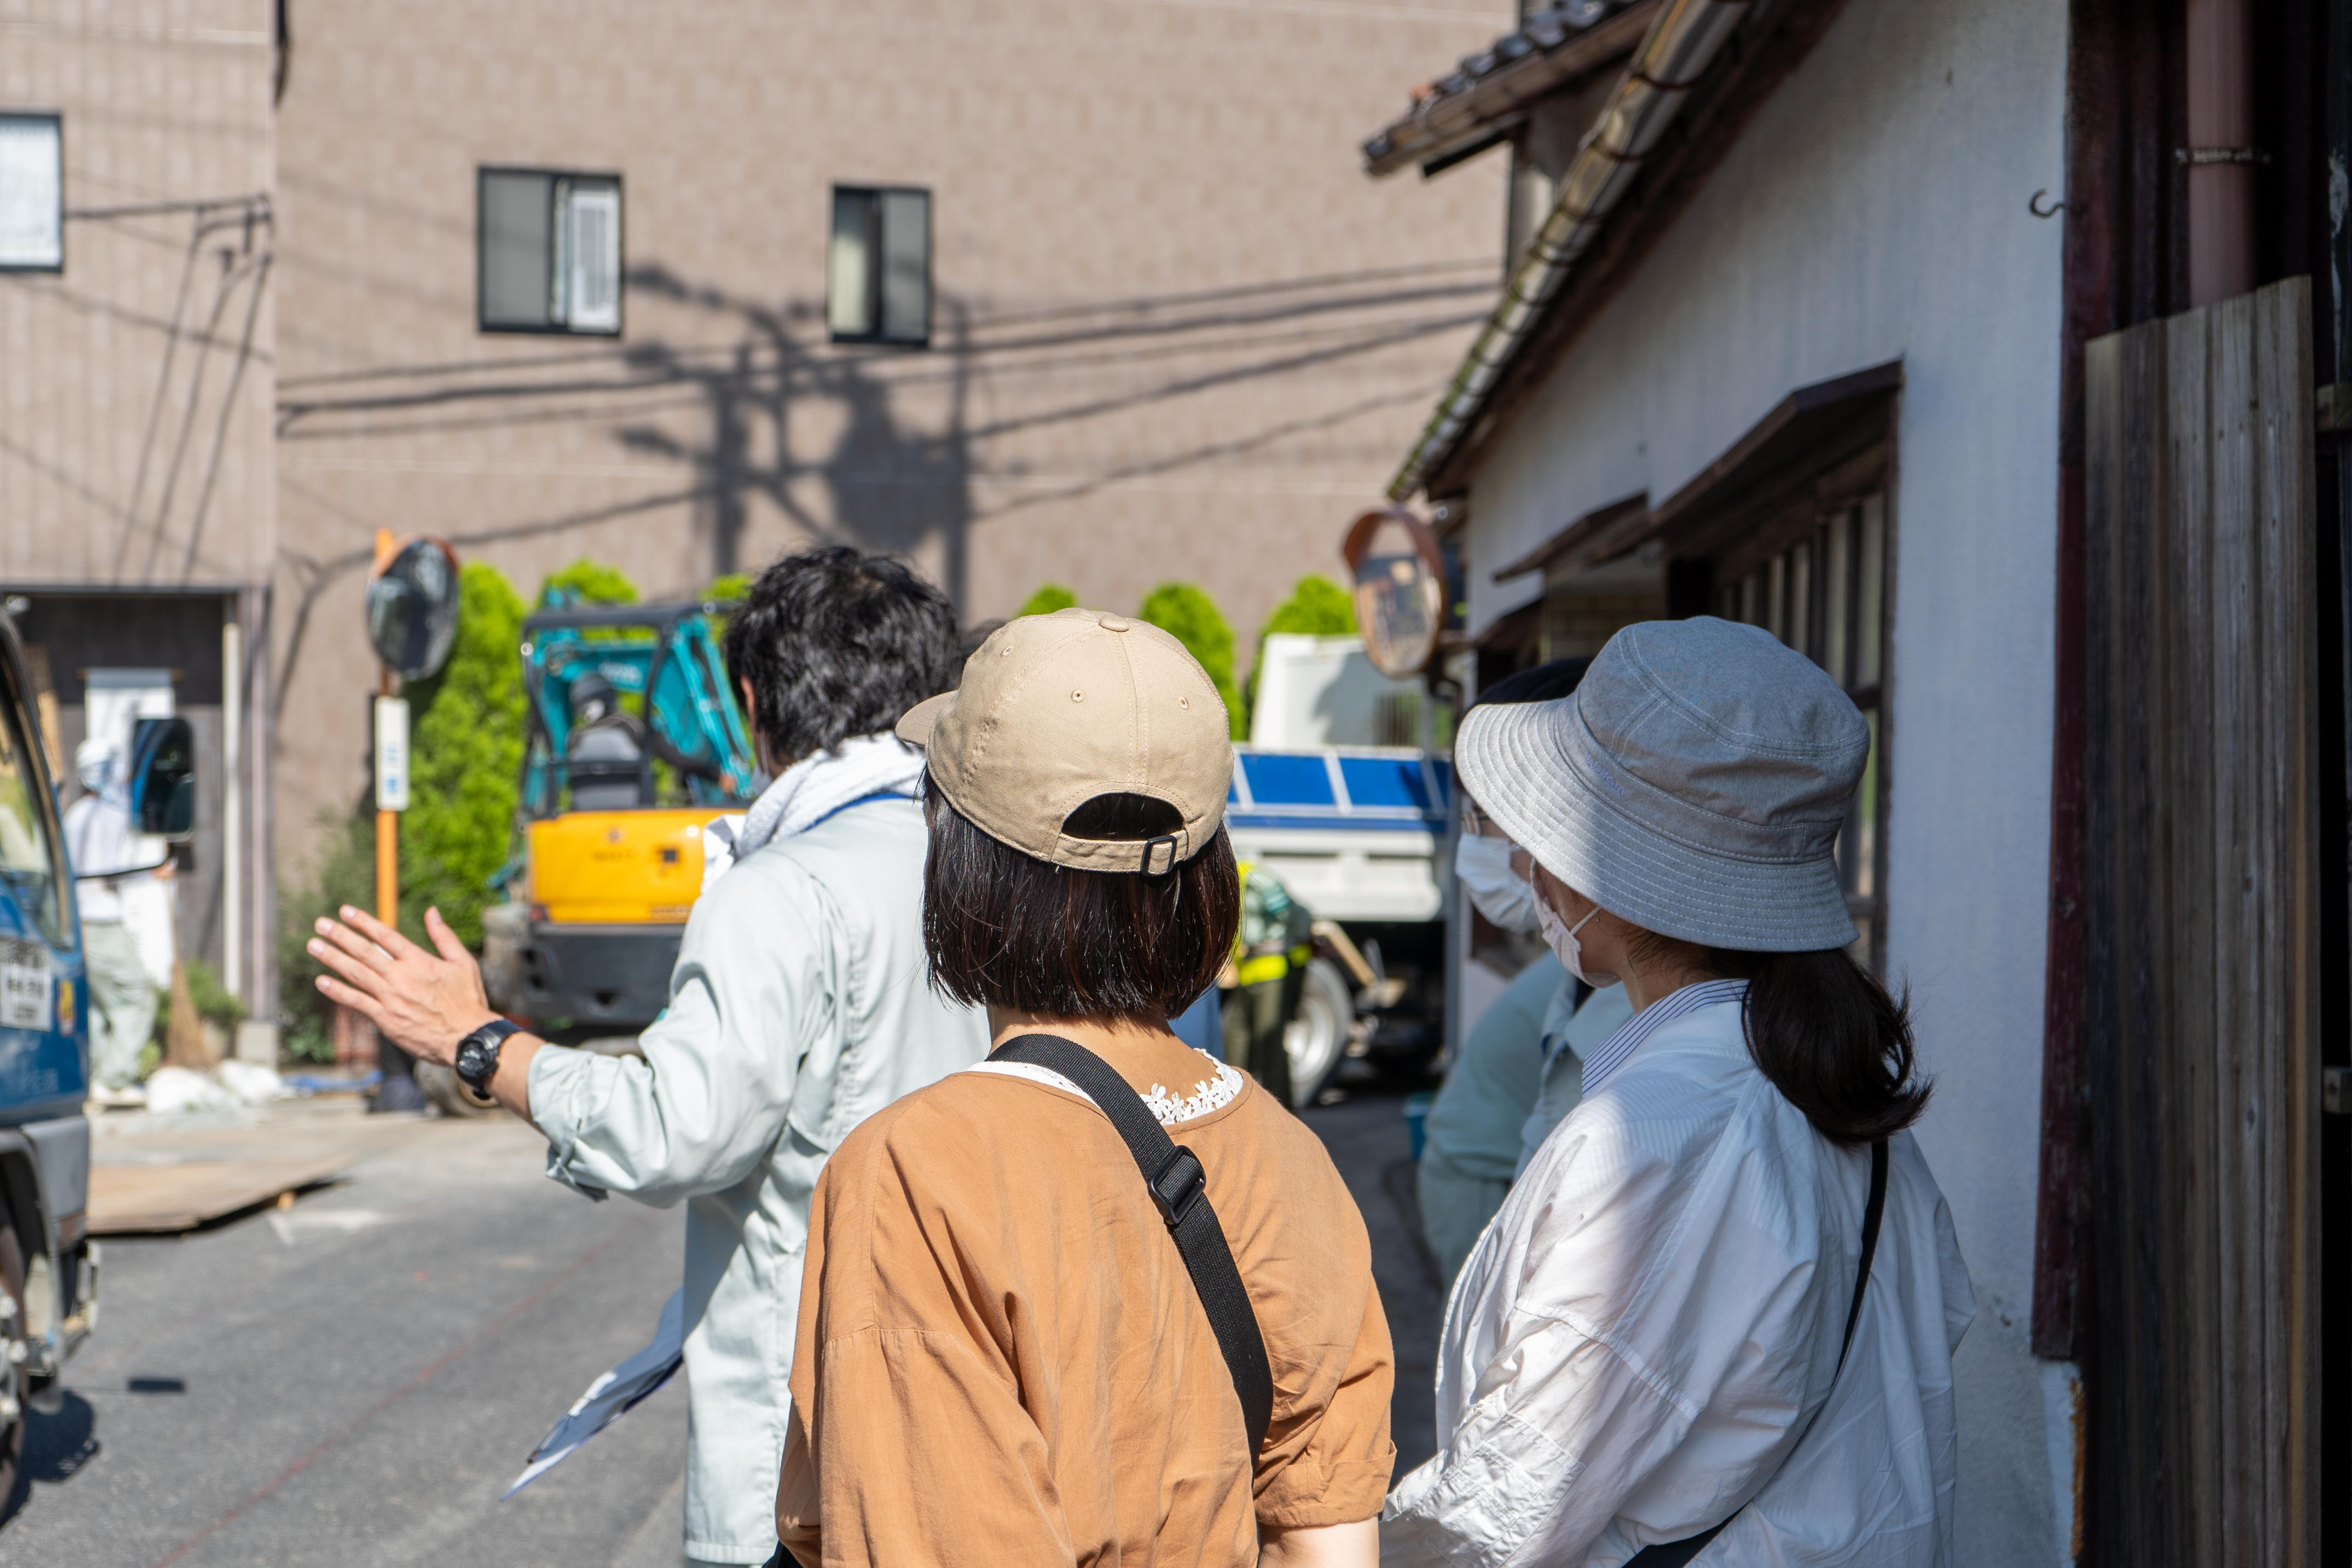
[797, 1005]
[1271, 951]
[1002, 1358]
[1717, 1314]
[105, 851]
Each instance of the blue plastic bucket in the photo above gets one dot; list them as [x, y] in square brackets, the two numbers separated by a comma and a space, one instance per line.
[1416, 1115]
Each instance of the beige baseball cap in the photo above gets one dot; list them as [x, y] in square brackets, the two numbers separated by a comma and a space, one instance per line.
[1058, 709]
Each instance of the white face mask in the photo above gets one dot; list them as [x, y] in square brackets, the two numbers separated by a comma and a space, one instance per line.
[1561, 936]
[1502, 896]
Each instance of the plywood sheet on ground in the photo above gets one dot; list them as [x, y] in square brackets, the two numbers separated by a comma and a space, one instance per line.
[132, 1199]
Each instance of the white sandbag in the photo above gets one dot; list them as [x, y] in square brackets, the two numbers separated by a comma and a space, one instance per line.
[252, 1083]
[173, 1090]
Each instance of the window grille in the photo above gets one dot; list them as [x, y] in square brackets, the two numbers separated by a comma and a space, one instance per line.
[1823, 592]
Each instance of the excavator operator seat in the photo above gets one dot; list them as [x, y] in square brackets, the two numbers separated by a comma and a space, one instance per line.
[605, 757]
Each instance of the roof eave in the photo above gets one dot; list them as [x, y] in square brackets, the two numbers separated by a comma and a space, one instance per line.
[1448, 120]
[1680, 70]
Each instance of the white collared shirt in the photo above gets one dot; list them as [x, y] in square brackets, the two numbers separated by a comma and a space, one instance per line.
[1647, 1325]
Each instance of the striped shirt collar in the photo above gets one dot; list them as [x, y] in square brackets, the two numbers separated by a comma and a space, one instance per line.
[1612, 1053]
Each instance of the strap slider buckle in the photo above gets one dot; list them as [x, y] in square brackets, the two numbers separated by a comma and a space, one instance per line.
[1178, 1187]
[1154, 863]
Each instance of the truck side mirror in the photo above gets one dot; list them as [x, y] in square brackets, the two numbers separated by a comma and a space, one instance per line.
[163, 778]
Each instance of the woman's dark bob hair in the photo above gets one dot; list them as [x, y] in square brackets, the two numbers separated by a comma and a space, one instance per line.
[1005, 930]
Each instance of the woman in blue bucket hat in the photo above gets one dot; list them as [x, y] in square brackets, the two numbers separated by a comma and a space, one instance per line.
[1714, 1321]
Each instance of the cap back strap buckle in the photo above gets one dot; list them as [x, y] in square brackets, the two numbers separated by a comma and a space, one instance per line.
[1153, 864]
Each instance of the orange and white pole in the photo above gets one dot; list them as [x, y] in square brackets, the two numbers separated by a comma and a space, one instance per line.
[387, 819]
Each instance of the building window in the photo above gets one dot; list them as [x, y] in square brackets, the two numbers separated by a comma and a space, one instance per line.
[878, 272]
[1823, 592]
[550, 251]
[32, 193]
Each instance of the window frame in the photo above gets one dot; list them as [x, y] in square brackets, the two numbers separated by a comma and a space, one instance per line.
[874, 264]
[1820, 450]
[35, 268]
[1843, 496]
[482, 176]
[23, 726]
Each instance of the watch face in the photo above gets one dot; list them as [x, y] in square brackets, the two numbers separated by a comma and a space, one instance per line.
[475, 1062]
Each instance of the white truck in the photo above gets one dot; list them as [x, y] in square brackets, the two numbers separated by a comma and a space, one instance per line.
[1339, 795]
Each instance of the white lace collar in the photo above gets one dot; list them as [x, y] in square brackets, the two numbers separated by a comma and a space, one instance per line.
[1210, 1093]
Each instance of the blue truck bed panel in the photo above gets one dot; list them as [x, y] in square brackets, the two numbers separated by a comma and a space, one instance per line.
[1338, 788]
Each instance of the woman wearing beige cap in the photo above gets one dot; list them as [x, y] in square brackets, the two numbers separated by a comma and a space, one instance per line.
[1100, 1298]
[1714, 1321]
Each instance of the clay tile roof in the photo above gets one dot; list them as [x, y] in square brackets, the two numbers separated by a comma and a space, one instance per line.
[1488, 92]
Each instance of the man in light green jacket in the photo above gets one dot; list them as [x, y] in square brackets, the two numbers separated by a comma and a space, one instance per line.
[800, 1004]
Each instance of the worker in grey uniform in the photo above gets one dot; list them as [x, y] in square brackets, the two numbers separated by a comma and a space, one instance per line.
[1512, 1068]
[800, 1004]
[107, 862]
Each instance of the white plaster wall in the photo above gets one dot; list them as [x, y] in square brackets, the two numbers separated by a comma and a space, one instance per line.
[1877, 209]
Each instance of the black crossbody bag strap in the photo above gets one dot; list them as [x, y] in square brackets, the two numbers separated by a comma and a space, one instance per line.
[1179, 1188]
[1675, 1554]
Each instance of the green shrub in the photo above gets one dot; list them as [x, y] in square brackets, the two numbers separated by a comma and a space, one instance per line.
[725, 593]
[1318, 607]
[467, 758]
[466, 747]
[1049, 596]
[214, 1006]
[1189, 616]
[343, 874]
[586, 581]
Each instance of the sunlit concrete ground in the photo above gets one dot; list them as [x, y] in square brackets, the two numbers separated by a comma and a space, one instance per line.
[355, 1379]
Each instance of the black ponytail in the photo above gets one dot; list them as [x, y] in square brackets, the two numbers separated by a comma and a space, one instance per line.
[1827, 1034]
[1832, 1040]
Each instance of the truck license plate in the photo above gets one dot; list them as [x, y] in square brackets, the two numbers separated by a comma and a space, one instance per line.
[25, 990]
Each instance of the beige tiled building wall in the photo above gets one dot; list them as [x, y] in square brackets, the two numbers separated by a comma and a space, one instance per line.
[138, 479]
[1177, 334]
[131, 455]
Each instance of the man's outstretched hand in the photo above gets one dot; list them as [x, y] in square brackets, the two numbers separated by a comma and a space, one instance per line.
[422, 1004]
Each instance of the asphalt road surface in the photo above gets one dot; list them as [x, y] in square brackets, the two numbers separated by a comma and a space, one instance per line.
[354, 1379]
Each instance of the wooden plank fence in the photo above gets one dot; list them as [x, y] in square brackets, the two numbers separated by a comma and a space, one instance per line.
[2199, 1343]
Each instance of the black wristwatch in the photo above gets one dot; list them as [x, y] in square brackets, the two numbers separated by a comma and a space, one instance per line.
[477, 1053]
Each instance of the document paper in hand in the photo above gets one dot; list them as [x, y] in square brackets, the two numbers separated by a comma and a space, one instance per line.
[611, 1395]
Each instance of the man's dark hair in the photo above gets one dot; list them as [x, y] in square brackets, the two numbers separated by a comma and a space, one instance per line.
[1007, 930]
[836, 643]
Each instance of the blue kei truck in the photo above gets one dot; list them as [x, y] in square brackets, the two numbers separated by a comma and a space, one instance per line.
[49, 1265]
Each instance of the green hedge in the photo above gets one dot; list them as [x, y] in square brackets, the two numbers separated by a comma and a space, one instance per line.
[468, 746]
[586, 581]
[1049, 596]
[1318, 607]
[1189, 616]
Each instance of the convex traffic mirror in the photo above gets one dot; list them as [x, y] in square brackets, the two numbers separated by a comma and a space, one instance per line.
[163, 778]
[411, 609]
